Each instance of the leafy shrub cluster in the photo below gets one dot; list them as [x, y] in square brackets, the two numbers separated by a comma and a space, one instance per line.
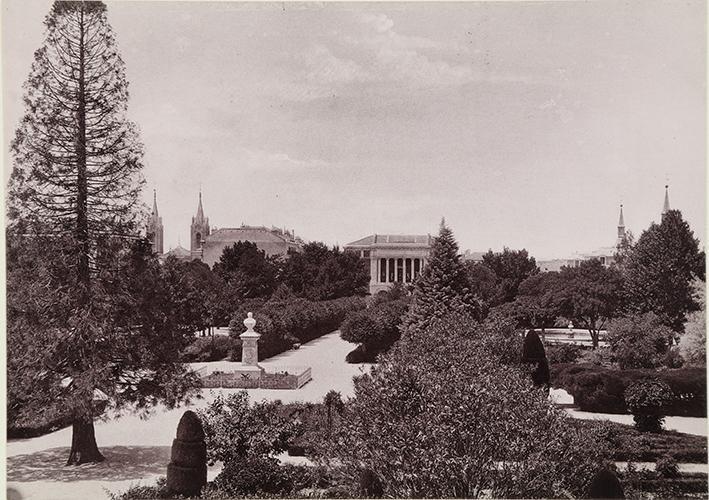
[283, 323]
[375, 328]
[562, 353]
[442, 416]
[214, 348]
[647, 399]
[639, 341]
[601, 389]
[630, 445]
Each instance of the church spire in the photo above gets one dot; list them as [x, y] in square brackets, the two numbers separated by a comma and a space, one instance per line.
[155, 227]
[666, 205]
[155, 204]
[621, 226]
[200, 211]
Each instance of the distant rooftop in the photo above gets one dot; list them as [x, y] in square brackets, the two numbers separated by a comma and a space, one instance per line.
[393, 239]
[252, 233]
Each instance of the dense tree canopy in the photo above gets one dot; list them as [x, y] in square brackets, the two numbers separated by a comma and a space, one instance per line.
[590, 295]
[660, 269]
[321, 273]
[511, 267]
[247, 271]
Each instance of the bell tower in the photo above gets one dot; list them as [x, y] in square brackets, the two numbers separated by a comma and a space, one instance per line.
[155, 228]
[199, 230]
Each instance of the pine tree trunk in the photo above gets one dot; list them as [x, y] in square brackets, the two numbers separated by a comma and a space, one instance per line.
[83, 443]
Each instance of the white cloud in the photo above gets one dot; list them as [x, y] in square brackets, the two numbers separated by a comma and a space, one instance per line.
[324, 67]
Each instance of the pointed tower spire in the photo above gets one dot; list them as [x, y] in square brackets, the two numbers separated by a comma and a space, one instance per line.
[621, 227]
[200, 210]
[199, 230]
[666, 205]
[155, 203]
[155, 227]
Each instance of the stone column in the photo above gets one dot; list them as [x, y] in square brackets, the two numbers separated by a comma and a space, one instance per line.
[249, 344]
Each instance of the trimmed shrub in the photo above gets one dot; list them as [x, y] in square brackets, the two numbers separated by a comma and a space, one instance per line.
[375, 328]
[369, 484]
[562, 353]
[533, 355]
[646, 399]
[214, 348]
[666, 466]
[605, 484]
[601, 389]
[284, 323]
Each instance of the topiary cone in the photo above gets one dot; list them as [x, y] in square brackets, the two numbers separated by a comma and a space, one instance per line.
[605, 484]
[187, 470]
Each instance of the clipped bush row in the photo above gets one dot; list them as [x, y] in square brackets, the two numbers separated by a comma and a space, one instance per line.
[215, 348]
[283, 323]
[600, 389]
[375, 329]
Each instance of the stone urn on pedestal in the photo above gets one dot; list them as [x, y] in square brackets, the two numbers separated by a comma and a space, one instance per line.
[249, 349]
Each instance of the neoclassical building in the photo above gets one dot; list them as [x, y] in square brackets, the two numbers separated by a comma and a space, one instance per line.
[392, 258]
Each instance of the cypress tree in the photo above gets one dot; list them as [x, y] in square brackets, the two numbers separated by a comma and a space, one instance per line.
[443, 287]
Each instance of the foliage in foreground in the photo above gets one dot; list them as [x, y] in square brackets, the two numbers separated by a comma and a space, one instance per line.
[441, 416]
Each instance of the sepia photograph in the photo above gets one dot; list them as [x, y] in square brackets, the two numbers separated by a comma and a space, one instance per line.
[351, 249]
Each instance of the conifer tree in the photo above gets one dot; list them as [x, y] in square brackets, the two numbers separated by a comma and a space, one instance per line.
[661, 268]
[443, 287]
[89, 312]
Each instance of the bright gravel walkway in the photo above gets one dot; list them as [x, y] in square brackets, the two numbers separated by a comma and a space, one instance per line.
[138, 451]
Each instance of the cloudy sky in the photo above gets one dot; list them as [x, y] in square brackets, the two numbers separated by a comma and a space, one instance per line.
[525, 124]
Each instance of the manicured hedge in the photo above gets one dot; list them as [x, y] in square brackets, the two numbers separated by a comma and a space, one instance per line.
[213, 348]
[599, 389]
[287, 322]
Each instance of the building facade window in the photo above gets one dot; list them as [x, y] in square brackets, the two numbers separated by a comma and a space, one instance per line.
[399, 270]
[382, 270]
[417, 267]
[392, 270]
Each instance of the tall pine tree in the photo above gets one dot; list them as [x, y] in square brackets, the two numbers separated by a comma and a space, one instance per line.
[660, 269]
[443, 287]
[88, 310]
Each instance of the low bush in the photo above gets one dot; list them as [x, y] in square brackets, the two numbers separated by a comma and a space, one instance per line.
[667, 467]
[630, 445]
[647, 399]
[562, 353]
[215, 348]
[283, 323]
[601, 389]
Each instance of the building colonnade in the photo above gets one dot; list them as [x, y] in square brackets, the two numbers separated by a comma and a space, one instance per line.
[398, 270]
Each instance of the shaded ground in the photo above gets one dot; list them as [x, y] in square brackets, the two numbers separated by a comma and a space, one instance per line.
[122, 463]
